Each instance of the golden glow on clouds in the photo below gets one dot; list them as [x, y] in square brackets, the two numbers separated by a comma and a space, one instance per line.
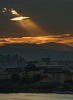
[38, 40]
[37, 34]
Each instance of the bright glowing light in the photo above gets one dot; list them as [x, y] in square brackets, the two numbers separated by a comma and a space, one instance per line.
[28, 25]
[5, 8]
[20, 18]
[3, 11]
[14, 12]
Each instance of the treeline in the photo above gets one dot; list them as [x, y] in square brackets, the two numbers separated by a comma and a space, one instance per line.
[18, 61]
[11, 86]
[33, 84]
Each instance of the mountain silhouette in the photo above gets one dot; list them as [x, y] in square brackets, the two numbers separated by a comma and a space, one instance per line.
[37, 51]
[55, 16]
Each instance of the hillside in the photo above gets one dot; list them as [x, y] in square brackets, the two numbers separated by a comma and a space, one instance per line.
[34, 51]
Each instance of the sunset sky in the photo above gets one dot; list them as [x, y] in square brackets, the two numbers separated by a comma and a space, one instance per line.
[36, 21]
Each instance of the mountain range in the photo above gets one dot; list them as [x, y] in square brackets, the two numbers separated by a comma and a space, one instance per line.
[37, 51]
[54, 16]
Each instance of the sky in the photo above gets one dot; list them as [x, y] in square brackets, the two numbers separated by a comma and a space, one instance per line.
[36, 21]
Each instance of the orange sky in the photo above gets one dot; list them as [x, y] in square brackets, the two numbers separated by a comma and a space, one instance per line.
[65, 39]
[36, 33]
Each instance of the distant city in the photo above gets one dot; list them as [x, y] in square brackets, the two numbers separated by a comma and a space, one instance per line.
[15, 69]
[55, 70]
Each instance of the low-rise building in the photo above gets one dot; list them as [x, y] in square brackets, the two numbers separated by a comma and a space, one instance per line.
[53, 73]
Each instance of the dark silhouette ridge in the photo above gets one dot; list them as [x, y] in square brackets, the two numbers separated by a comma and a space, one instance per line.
[34, 51]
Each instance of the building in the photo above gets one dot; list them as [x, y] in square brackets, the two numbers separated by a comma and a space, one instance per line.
[48, 73]
[9, 72]
[31, 70]
[58, 74]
